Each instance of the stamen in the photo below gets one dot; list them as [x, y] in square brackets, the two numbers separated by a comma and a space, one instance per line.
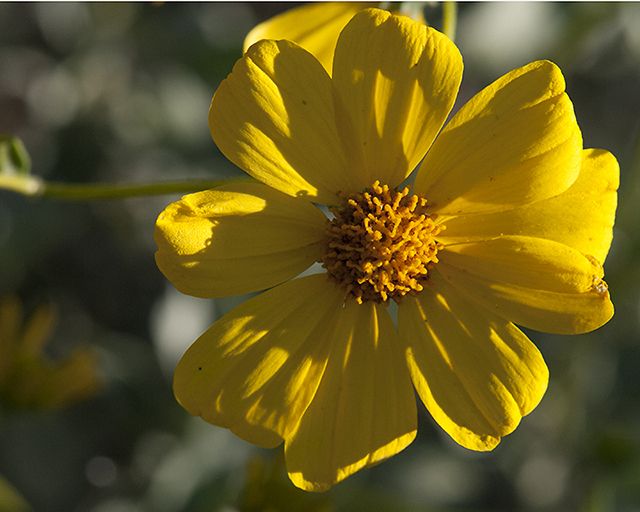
[381, 245]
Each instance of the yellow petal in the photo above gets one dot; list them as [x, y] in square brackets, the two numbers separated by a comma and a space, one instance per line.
[73, 380]
[274, 118]
[528, 262]
[582, 217]
[237, 239]
[476, 373]
[38, 330]
[539, 309]
[314, 26]
[513, 143]
[10, 318]
[12, 500]
[36, 383]
[257, 368]
[364, 410]
[399, 80]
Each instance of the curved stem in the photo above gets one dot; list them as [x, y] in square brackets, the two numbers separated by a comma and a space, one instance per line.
[34, 187]
[449, 19]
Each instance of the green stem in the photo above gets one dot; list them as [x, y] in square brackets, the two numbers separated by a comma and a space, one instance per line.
[449, 19]
[27, 185]
[34, 187]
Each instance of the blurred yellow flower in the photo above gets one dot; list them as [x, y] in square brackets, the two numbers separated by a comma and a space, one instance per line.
[267, 488]
[316, 361]
[10, 499]
[315, 27]
[28, 379]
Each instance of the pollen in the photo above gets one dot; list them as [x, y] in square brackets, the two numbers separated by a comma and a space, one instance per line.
[381, 245]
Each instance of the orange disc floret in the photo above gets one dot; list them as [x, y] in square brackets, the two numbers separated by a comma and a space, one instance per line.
[381, 244]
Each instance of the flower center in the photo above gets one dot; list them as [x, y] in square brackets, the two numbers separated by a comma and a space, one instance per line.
[381, 245]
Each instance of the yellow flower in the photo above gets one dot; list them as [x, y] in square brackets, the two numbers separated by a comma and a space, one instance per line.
[315, 27]
[27, 378]
[515, 231]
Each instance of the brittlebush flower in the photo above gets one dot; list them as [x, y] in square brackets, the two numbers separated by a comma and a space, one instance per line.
[31, 380]
[510, 223]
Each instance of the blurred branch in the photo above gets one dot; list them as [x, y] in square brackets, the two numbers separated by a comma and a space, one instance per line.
[27, 185]
[15, 169]
[450, 18]
[35, 187]
[122, 190]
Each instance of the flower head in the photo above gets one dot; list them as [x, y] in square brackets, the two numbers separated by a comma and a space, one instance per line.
[509, 222]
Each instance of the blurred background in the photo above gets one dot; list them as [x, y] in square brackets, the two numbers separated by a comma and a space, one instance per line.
[119, 92]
